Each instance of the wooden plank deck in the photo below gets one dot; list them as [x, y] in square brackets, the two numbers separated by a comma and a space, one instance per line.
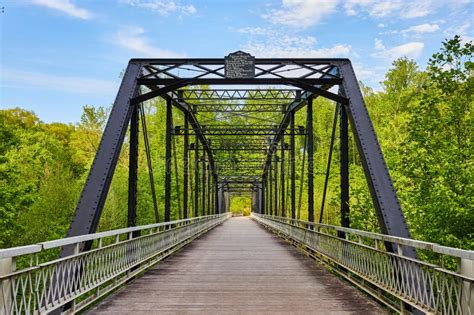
[238, 267]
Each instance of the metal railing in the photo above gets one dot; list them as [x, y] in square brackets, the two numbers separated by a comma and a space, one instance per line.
[42, 285]
[392, 278]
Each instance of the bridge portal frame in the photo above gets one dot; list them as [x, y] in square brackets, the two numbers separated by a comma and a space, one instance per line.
[145, 79]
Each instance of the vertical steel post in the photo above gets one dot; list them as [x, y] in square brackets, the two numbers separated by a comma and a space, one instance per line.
[282, 171]
[133, 168]
[267, 194]
[196, 176]
[203, 190]
[210, 197]
[185, 166]
[209, 188]
[220, 197]
[169, 127]
[270, 199]
[216, 195]
[309, 129]
[344, 160]
[276, 185]
[293, 168]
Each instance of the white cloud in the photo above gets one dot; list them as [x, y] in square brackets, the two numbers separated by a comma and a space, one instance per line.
[132, 38]
[163, 7]
[398, 8]
[381, 25]
[379, 45]
[420, 29]
[64, 6]
[79, 85]
[410, 50]
[268, 42]
[301, 13]
[254, 31]
[296, 47]
[271, 51]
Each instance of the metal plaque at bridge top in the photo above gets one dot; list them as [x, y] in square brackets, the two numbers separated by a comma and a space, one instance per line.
[239, 65]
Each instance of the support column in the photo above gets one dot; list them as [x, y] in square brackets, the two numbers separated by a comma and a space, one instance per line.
[309, 130]
[292, 164]
[186, 166]
[270, 200]
[203, 190]
[209, 189]
[216, 195]
[169, 126]
[276, 185]
[220, 197]
[282, 171]
[196, 177]
[344, 147]
[267, 198]
[133, 168]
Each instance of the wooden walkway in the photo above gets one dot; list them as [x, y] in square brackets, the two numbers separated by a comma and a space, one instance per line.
[238, 267]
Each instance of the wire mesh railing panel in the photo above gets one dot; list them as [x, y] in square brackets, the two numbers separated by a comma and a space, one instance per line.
[46, 286]
[421, 284]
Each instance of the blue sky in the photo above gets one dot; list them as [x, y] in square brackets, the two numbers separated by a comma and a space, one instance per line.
[58, 55]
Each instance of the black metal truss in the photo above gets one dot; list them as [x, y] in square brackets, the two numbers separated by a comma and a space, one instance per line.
[236, 130]
[304, 80]
[236, 94]
[240, 108]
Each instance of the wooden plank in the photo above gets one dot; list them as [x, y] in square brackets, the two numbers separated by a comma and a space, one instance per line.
[238, 267]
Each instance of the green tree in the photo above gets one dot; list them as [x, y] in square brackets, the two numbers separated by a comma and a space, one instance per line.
[439, 149]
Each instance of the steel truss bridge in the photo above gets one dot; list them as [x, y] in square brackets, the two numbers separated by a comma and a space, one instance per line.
[117, 271]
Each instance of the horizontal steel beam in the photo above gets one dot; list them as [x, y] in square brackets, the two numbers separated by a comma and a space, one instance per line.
[221, 61]
[226, 81]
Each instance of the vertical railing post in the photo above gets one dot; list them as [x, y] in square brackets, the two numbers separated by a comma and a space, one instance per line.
[186, 166]
[309, 129]
[292, 164]
[467, 269]
[169, 126]
[133, 168]
[7, 266]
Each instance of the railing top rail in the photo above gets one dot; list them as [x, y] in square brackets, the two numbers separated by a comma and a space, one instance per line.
[434, 247]
[20, 250]
[35, 248]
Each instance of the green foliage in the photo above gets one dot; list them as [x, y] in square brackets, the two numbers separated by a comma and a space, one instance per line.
[240, 205]
[440, 143]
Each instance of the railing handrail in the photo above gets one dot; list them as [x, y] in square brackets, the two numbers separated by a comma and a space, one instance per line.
[434, 247]
[38, 247]
[44, 284]
[390, 277]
